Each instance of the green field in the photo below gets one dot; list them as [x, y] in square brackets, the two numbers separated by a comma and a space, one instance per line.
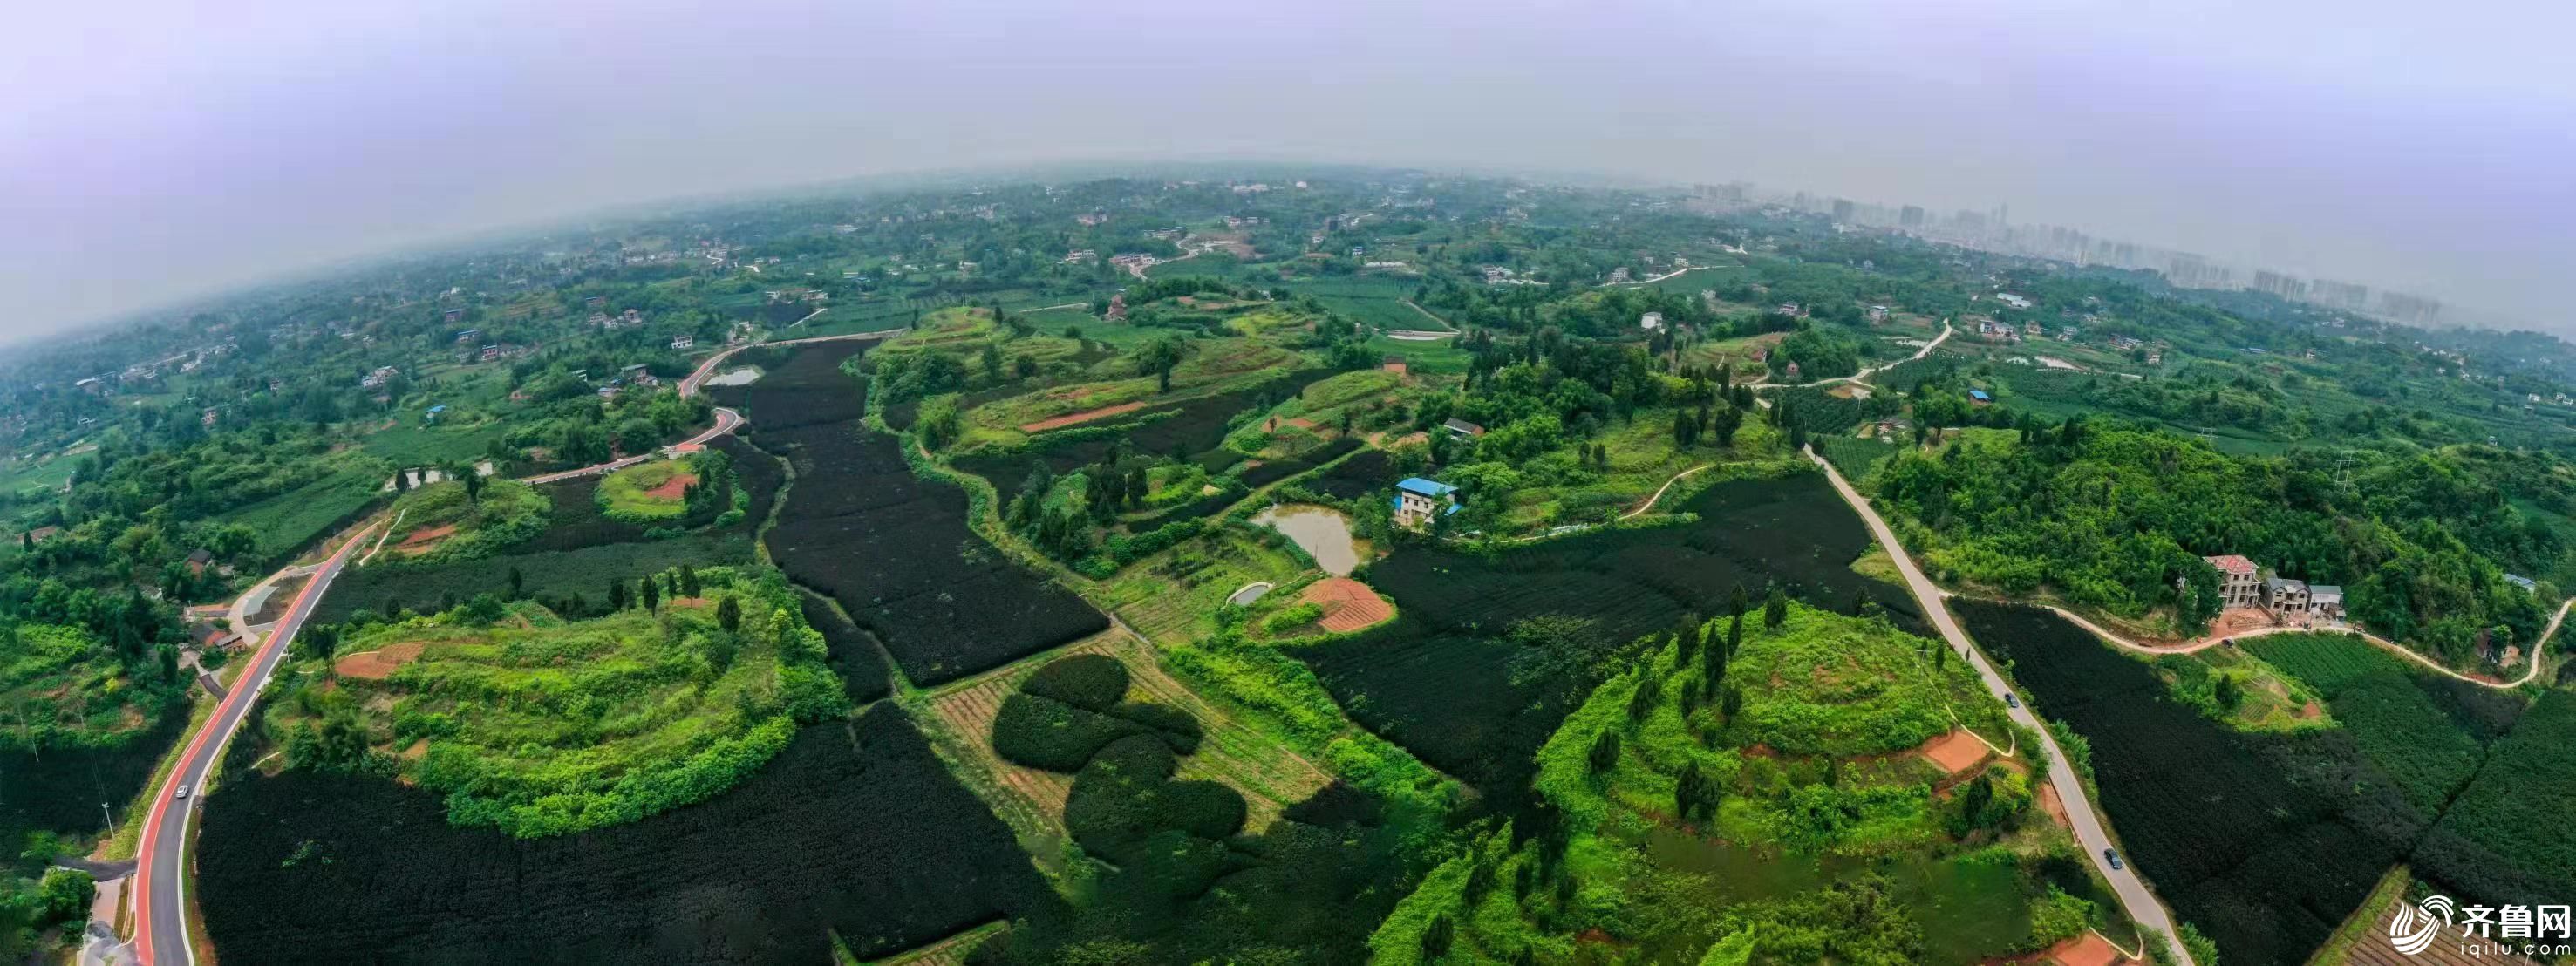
[628, 494]
[539, 725]
[292, 519]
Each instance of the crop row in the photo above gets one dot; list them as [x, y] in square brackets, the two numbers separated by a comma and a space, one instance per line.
[855, 830]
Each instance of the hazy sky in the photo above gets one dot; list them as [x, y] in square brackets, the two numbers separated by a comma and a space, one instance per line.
[155, 149]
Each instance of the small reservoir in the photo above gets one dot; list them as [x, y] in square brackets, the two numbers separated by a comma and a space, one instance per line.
[1323, 532]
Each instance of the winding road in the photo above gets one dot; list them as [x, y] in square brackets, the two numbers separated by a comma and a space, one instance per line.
[2140, 902]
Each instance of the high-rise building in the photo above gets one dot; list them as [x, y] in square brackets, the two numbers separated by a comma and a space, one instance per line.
[2341, 295]
[1843, 210]
[2409, 308]
[2275, 283]
[1911, 216]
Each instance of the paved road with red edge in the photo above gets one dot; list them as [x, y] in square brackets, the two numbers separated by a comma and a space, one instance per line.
[161, 872]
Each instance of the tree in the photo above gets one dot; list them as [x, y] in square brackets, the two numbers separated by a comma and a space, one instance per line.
[518, 583]
[648, 593]
[473, 482]
[616, 595]
[689, 585]
[1775, 609]
[1729, 702]
[1604, 753]
[728, 614]
[2227, 692]
[1734, 634]
[1160, 357]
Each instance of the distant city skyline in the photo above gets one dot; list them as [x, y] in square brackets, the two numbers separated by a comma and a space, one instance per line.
[1993, 231]
[162, 150]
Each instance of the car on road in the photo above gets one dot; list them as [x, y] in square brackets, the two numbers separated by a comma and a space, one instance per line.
[2012, 700]
[183, 791]
[2112, 856]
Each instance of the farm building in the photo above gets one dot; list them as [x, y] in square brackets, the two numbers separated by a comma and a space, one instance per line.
[2285, 596]
[1417, 499]
[2325, 600]
[1979, 397]
[1651, 321]
[1463, 429]
[2240, 583]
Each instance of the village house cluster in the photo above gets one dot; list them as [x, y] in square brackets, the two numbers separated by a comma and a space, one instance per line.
[2242, 584]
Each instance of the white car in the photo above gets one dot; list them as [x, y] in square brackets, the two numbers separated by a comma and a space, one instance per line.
[183, 791]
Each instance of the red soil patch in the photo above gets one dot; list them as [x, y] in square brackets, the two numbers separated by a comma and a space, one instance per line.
[1302, 422]
[674, 488]
[1955, 752]
[378, 664]
[1348, 604]
[424, 539]
[1084, 416]
[2084, 950]
[2056, 808]
[2310, 711]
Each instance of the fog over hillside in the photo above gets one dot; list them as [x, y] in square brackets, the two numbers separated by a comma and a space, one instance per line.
[158, 150]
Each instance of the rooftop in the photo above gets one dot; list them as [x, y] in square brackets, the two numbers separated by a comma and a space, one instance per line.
[2232, 563]
[1429, 488]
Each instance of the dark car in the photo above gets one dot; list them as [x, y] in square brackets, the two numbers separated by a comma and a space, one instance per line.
[2113, 856]
[2012, 700]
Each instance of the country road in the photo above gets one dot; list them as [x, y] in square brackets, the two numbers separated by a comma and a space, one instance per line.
[1861, 378]
[162, 866]
[2140, 902]
[2528, 672]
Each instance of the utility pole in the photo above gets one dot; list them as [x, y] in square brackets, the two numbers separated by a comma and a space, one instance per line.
[111, 819]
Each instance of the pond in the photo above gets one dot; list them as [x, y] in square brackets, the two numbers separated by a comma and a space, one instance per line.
[1969, 911]
[1323, 532]
[1248, 593]
[739, 376]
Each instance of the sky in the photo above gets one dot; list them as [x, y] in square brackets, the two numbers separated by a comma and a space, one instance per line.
[157, 150]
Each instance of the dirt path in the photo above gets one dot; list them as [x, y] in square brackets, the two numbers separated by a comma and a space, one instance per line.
[1659, 491]
[1069, 419]
[2528, 672]
[1426, 313]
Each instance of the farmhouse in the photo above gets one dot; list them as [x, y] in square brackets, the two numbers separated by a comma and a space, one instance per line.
[2325, 601]
[198, 559]
[1651, 321]
[684, 341]
[1463, 429]
[2240, 583]
[2285, 596]
[1418, 499]
[2528, 585]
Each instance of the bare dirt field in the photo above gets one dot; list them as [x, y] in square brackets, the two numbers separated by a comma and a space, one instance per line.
[377, 664]
[1955, 752]
[1084, 416]
[677, 487]
[1348, 604]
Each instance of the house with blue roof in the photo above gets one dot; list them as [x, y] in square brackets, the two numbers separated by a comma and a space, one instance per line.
[1417, 500]
[1979, 397]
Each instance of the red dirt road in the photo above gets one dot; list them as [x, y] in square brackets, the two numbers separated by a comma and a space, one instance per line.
[1084, 416]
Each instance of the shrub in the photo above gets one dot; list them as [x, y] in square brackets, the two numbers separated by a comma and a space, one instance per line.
[1091, 681]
